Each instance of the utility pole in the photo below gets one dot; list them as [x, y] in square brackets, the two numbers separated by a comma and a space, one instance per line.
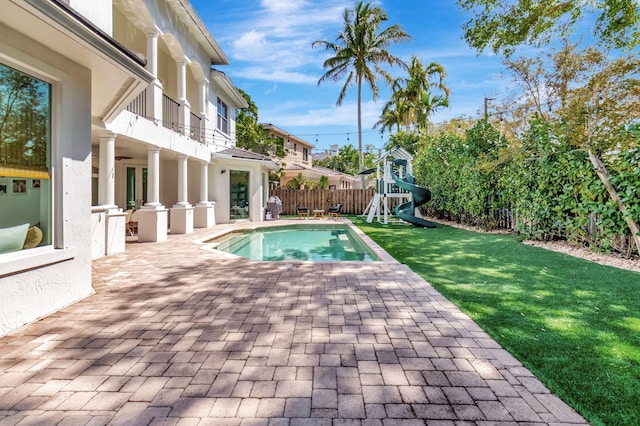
[486, 106]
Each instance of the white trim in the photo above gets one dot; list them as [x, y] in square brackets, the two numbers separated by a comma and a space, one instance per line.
[54, 76]
[38, 257]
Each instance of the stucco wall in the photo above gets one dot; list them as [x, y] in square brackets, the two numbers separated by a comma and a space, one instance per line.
[219, 189]
[97, 11]
[128, 34]
[46, 279]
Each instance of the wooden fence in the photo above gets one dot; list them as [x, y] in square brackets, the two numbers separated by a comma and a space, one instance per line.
[354, 201]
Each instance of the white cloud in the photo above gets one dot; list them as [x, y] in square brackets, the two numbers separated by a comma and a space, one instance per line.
[295, 115]
[265, 73]
[274, 41]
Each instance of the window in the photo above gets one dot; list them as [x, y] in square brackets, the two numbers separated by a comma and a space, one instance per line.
[25, 146]
[223, 117]
[305, 154]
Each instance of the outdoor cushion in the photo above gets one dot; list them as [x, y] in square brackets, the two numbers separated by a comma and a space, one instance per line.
[33, 238]
[12, 238]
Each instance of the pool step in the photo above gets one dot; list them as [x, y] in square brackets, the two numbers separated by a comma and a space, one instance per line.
[235, 246]
[346, 242]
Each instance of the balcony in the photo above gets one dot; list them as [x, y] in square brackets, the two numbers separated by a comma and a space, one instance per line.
[195, 129]
[139, 105]
[170, 119]
[171, 114]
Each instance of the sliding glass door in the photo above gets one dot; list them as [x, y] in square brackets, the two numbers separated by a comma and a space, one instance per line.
[239, 195]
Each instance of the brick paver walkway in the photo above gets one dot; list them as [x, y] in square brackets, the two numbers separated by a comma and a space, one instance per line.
[176, 335]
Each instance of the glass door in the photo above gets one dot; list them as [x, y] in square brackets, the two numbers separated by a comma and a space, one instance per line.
[136, 182]
[239, 194]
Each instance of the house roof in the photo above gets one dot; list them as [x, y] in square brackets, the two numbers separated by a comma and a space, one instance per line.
[117, 74]
[181, 12]
[280, 132]
[227, 86]
[245, 154]
[294, 166]
[201, 33]
[317, 170]
[397, 152]
[332, 172]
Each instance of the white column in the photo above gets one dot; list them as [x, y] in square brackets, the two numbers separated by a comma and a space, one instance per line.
[106, 177]
[182, 78]
[153, 178]
[202, 107]
[182, 212]
[204, 184]
[152, 51]
[204, 215]
[154, 91]
[182, 182]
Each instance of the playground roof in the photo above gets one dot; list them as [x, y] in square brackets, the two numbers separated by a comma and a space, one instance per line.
[397, 152]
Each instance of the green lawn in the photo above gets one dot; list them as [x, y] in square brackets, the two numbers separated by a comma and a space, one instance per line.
[573, 323]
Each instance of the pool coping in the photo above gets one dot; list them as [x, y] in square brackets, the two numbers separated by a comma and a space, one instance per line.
[224, 229]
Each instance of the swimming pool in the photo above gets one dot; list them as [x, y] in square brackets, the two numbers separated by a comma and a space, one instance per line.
[310, 243]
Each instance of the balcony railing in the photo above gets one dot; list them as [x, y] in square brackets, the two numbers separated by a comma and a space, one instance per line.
[195, 131]
[170, 114]
[139, 104]
[170, 119]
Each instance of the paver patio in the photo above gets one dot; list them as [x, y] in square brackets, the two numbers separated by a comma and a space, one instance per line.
[177, 335]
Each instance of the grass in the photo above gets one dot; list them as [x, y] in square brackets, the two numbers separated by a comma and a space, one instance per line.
[575, 324]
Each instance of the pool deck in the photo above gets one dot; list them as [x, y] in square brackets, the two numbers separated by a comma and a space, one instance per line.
[179, 335]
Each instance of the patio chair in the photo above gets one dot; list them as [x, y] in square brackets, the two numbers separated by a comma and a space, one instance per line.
[302, 211]
[132, 222]
[335, 211]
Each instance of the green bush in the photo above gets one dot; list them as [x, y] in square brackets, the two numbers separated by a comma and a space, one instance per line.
[547, 185]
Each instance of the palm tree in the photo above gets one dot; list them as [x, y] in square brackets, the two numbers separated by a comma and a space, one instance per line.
[393, 115]
[359, 51]
[412, 100]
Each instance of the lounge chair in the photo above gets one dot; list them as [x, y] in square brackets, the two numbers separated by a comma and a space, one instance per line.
[335, 211]
[302, 211]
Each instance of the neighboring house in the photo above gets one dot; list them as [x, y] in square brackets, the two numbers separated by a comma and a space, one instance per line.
[297, 150]
[298, 160]
[116, 105]
[336, 180]
[317, 156]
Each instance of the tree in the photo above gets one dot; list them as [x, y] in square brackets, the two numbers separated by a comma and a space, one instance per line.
[251, 135]
[592, 100]
[598, 114]
[413, 102]
[359, 52]
[347, 160]
[298, 182]
[504, 24]
[408, 141]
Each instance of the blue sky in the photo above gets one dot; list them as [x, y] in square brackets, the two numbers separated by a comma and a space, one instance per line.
[268, 43]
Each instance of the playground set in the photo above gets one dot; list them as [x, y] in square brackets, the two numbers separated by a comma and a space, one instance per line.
[394, 179]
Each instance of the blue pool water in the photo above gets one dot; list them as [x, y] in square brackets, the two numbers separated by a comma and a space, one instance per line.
[319, 244]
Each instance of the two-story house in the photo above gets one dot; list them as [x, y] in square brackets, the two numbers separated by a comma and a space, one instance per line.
[174, 145]
[298, 161]
[106, 106]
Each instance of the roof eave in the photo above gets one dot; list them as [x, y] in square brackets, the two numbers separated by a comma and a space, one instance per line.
[282, 132]
[72, 21]
[213, 44]
[229, 88]
[267, 163]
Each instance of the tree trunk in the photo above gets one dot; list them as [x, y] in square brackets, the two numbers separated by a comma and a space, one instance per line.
[601, 171]
[360, 154]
